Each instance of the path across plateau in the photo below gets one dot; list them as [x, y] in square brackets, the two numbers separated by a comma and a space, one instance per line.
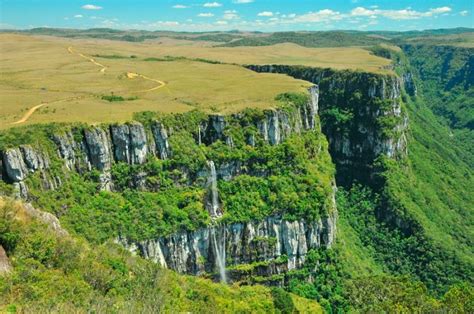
[32, 110]
[130, 75]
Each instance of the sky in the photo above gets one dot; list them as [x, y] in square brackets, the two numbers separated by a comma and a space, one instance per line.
[255, 15]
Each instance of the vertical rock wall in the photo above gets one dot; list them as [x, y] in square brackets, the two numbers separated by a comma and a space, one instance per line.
[244, 243]
[361, 115]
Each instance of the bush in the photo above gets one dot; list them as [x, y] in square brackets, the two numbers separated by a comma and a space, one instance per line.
[283, 301]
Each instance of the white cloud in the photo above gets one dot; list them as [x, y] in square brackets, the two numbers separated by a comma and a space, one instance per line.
[78, 16]
[243, 1]
[221, 22]
[109, 23]
[212, 4]
[91, 7]
[360, 11]
[166, 24]
[464, 13]
[440, 10]
[325, 15]
[230, 15]
[405, 14]
[265, 13]
[180, 6]
[205, 15]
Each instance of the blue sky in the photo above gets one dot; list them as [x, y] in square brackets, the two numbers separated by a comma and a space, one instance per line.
[262, 15]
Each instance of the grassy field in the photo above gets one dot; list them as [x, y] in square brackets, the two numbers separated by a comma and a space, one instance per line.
[354, 58]
[37, 70]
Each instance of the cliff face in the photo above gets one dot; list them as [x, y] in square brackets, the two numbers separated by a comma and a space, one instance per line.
[100, 148]
[361, 116]
[282, 245]
[155, 157]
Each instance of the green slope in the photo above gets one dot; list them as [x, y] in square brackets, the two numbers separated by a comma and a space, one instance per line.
[54, 273]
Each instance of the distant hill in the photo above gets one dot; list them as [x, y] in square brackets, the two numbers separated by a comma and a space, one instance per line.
[340, 38]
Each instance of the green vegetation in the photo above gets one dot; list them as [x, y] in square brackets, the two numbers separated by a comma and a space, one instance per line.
[53, 273]
[382, 294]
[114, 98]
[446, 81]
[114, 56]
[181, 58]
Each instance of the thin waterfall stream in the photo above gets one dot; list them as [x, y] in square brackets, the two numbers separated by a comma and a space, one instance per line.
[219, 250]
[214, 209]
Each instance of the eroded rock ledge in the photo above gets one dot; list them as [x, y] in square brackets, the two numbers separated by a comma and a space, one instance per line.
[282, 244]
[100, 147]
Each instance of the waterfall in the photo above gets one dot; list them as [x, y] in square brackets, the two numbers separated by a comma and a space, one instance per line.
[219, 253]
[199, 135]
[214, 194]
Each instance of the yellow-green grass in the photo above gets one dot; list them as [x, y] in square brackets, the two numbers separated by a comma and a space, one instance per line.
[353, 58]
[35, 70]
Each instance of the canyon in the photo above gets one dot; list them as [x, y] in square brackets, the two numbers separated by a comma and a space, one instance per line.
[275, 244]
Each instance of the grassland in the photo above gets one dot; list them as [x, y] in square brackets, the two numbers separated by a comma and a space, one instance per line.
[70, 83]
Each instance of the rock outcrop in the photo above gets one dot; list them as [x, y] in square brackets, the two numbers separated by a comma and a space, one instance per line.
[20, 162]
[161, 140]
[409, 83]
[100, 155]
[244, 243]
[129, 143]
[5, 266]
[67, 149]
[14, 165]
[47, 218]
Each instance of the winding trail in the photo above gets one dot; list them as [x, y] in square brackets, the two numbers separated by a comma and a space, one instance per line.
[103, 67]
[28, 114]
[130, 75]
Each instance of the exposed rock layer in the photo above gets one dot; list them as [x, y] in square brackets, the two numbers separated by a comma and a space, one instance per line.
[100, 147]
[244, 243]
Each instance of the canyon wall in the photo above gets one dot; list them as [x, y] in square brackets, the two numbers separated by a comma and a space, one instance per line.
[277, 245]
[361, 115]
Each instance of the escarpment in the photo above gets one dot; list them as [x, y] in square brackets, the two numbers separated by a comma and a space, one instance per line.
[101, 147]
[361, 115]
[275, 244]
[226, 181]
[258, 185]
